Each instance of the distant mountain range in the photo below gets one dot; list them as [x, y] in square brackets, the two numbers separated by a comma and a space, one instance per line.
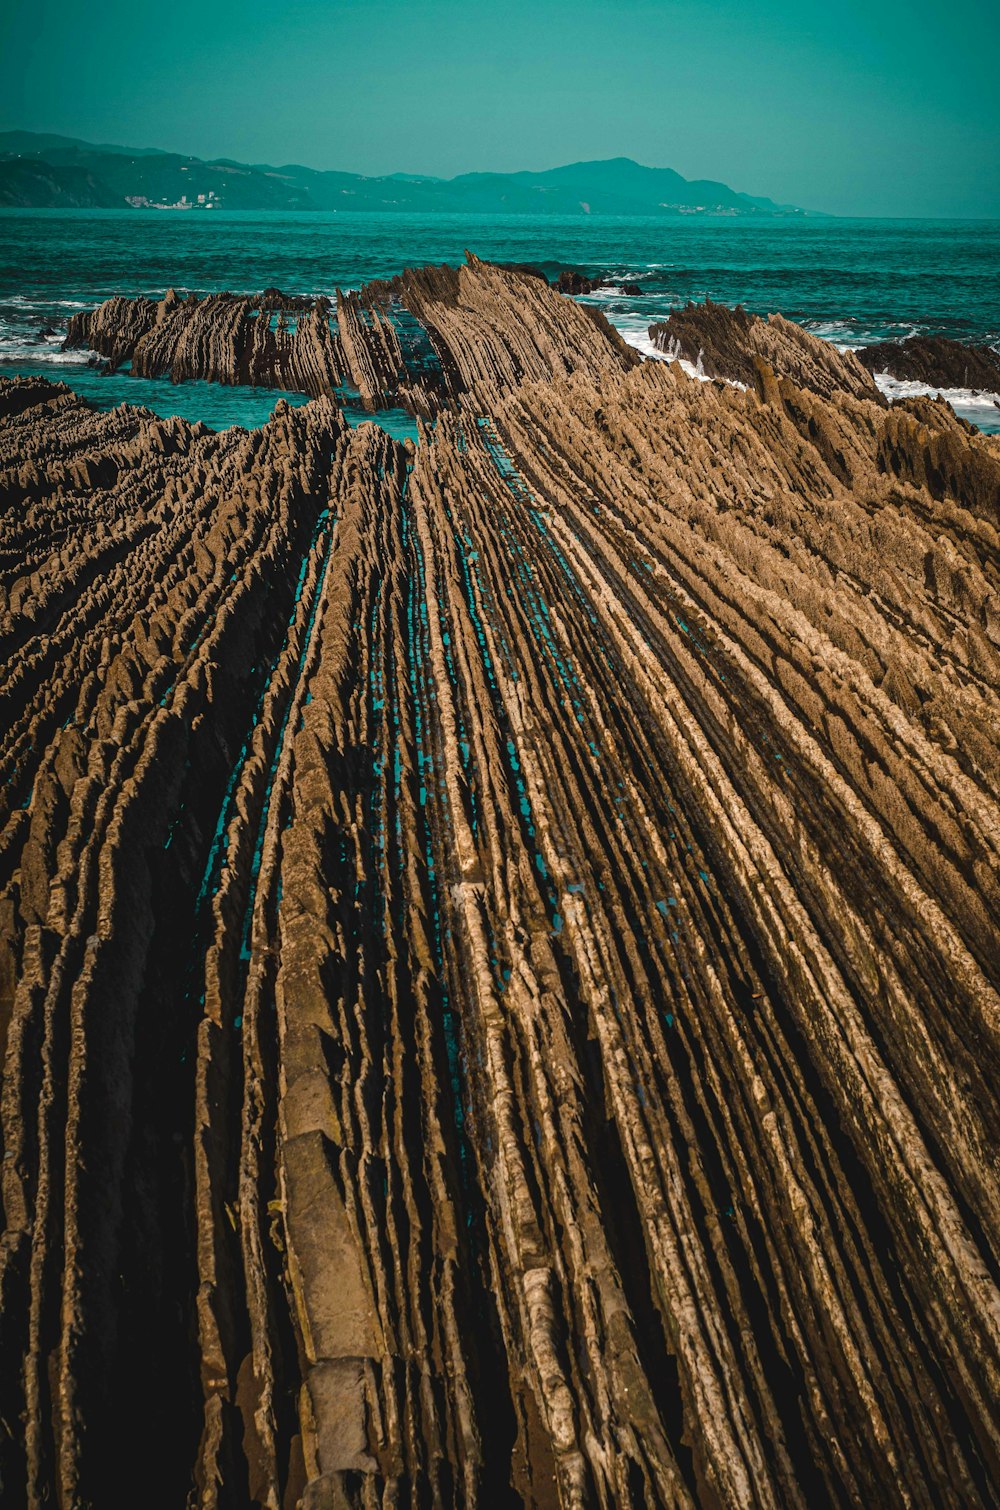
[43, 171]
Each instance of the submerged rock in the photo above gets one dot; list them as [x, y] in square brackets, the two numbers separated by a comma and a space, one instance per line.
[572, 281]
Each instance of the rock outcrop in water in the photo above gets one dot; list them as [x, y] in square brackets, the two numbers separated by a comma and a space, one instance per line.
[572, 281]
[937, 361]
[495, 331]
[726, 343]
[272, 341]
[498, 951]
[411, 341]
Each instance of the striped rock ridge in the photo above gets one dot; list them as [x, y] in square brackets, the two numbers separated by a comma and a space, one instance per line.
[409, 341]
[498, 949]
[727, 343]
[272, 341]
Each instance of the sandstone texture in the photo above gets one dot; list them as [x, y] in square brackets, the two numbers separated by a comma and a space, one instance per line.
[498, 938]
[272, 341]
[417, 341]
[726, 343]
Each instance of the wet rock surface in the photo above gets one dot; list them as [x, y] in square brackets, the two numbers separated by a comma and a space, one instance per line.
[937, 361]
[572, 281]
[498, 952]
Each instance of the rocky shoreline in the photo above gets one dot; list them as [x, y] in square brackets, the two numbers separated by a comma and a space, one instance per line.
[725, 341]
[498, 950]
[935, 360]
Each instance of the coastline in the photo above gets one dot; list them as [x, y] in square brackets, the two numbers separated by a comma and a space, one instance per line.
[489, 945]
[896, 278]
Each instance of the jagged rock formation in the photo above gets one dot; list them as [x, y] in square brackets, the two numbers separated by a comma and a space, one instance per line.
[935, 360]
[496, 330]
[725, 343]
[407, 341]
[269, 341]
[572, 281]
[499, 957]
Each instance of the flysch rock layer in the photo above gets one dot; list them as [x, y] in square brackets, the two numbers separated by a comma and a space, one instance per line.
[498, 952]
[407, 341]
[724, 343]
[269, 341]
[937, 361]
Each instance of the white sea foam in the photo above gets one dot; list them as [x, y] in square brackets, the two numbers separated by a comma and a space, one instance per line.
[31, 302]
[46, 356]
[25, 347]
[642, 343]
[979, 408]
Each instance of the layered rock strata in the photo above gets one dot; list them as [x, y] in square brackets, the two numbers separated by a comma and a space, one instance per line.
[499, 971]
[270, 341]
[937, 361]
[496, 330]
[725, 343]
[408, 341]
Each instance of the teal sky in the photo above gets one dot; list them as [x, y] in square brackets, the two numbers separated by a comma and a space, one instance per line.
[874, 108]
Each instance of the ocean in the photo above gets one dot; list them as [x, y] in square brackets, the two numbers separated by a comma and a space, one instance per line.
[852, 282]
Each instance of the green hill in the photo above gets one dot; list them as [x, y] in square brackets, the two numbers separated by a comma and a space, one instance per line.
[148, 177]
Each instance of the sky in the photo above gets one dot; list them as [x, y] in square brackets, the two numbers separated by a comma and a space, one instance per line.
[863, 107]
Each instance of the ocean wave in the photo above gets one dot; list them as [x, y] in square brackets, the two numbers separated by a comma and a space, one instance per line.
[41, 304]
[848, 334]
[978, 407]
[48, 353]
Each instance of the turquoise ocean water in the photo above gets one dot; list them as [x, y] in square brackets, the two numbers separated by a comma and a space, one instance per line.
[850, 281]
